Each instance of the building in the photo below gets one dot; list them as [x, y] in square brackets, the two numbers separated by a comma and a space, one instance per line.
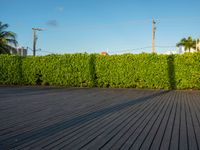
[21, 51]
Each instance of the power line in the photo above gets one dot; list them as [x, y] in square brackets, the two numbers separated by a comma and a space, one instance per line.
[40, 50]
[142, 48]
[44, 51]
[121, 51]
[166, 46]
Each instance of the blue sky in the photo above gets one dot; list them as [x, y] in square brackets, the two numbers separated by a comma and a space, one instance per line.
[101, 25]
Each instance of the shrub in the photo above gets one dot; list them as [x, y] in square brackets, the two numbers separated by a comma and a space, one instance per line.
[117, 71]
[141, 71]
[10, 69]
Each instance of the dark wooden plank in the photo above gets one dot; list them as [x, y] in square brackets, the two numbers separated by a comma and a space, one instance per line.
[92, 134]
[183, 141]
[193, 107]
[118, 142]
[140, 142]
[162, 140]
[89, 136]
[175, 137]
[192, 140]
[169, 120]
[131, 135]
[72, 134]
[109, 137]
[154, 139]
[55, 119]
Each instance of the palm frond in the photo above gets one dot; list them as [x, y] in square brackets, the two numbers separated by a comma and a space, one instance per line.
[7, 39]
[3, 26]
[187, 43]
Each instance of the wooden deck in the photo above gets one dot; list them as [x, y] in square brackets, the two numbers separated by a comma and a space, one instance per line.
[75, 118]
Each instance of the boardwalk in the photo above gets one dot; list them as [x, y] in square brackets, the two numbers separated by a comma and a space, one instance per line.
[75, 118]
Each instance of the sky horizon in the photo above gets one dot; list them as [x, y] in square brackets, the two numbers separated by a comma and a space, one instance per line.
[94, 26]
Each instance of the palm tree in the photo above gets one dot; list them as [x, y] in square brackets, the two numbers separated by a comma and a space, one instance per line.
[187, 43]
[7, 39]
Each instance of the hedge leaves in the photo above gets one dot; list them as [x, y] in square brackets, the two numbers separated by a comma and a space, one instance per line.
[117, 71]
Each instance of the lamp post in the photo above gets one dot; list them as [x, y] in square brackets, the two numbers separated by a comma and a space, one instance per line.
[35, 39]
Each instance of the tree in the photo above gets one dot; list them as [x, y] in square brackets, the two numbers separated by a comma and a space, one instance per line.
[7, 39]
[187, 43]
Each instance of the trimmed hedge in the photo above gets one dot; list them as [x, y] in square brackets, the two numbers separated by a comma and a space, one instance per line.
[125, 71]
[117, 71]
[66, 70]
[10, 69]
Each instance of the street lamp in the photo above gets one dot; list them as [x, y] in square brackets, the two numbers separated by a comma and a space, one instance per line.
[35, 39]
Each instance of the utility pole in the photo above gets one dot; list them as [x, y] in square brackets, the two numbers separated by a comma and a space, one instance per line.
[153, 36]
[35, 39]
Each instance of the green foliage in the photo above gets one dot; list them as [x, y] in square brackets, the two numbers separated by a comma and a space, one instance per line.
[31, 67]
[67, 70]
[116, 71]
[187, 71]
[187, 43]
[10, 69]
[137, 71]
[7, 39]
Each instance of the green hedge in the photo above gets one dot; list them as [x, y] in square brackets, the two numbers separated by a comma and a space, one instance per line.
[89, 70]
[67, 70]
[10, 69]
[187, 71]
[141, 71]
